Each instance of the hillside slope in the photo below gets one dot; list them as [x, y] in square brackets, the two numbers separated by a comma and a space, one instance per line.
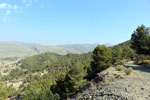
[80, 47]
[119, 87]
[11, 50]
[17, 49]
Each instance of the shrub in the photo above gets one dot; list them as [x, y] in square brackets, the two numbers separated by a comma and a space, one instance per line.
[128, 59]
[118, 62]
[3, 92]
[120, 68]
[146, 63]
[142, 59]
[124, 69]
[129, 71]
[12, 91]
[36, 92]
[139, 62]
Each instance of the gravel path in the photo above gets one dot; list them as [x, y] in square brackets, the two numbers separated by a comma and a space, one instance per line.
[133, 87]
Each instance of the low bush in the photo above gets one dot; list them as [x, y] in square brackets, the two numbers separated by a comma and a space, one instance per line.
[129, 70]
[142, 59]
[139, 62]
[146, 63]
[120, 68]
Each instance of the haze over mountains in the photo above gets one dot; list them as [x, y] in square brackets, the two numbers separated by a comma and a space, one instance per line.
[19, 49]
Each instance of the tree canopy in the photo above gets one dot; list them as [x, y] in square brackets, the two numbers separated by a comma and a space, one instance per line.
[72, 82]
[140, 40]
[101, 59]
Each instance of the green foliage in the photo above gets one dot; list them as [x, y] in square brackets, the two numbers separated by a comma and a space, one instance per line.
[15, 73]
[36, 93]
[40, 90]
[3, 92]
[58, 68]
[75, 77]
[7, 92]
[129, 71]
[66, 84]
[53, 61]
[72, 82]
[127, 52]
[101, 60]
[116, 53]
[120, 68]
[48, 95]
[67, 71]
[12, 91]
[146, 62]
[39, 62]
[121, 52]
[31, 78]
[140, 40]
[142, 59]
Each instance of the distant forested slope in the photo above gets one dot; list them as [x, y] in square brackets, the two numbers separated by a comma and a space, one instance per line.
[49, 60]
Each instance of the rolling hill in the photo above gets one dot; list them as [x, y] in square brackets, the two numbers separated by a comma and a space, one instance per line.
[18, 49]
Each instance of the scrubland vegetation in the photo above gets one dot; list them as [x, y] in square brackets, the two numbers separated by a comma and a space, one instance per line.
[51, 76]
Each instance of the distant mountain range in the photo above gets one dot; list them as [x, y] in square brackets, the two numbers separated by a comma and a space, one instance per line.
[18, 49]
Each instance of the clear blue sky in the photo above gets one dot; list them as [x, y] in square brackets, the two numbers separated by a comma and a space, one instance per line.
[71, 21]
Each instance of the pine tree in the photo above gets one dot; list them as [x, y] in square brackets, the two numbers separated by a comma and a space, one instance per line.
[101, 60]
[76, 76]
[73, 81]
[116, 53]
[140, 40]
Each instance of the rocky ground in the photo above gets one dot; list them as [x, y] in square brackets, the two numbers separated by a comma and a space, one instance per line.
[113, 85]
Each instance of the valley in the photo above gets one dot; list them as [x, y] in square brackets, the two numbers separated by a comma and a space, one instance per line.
[119, 72]
[41, 70]
[74, 49]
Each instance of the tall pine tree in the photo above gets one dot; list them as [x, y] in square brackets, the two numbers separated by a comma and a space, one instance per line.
[73, 81]
[101, 60]
[140, 40]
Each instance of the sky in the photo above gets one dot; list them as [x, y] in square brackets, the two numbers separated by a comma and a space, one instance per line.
[58, 22]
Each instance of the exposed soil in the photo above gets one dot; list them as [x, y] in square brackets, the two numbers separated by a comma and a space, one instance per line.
[118, 86]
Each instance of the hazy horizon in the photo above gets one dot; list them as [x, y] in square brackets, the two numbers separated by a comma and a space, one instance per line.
[71, 22]
[19, 42]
